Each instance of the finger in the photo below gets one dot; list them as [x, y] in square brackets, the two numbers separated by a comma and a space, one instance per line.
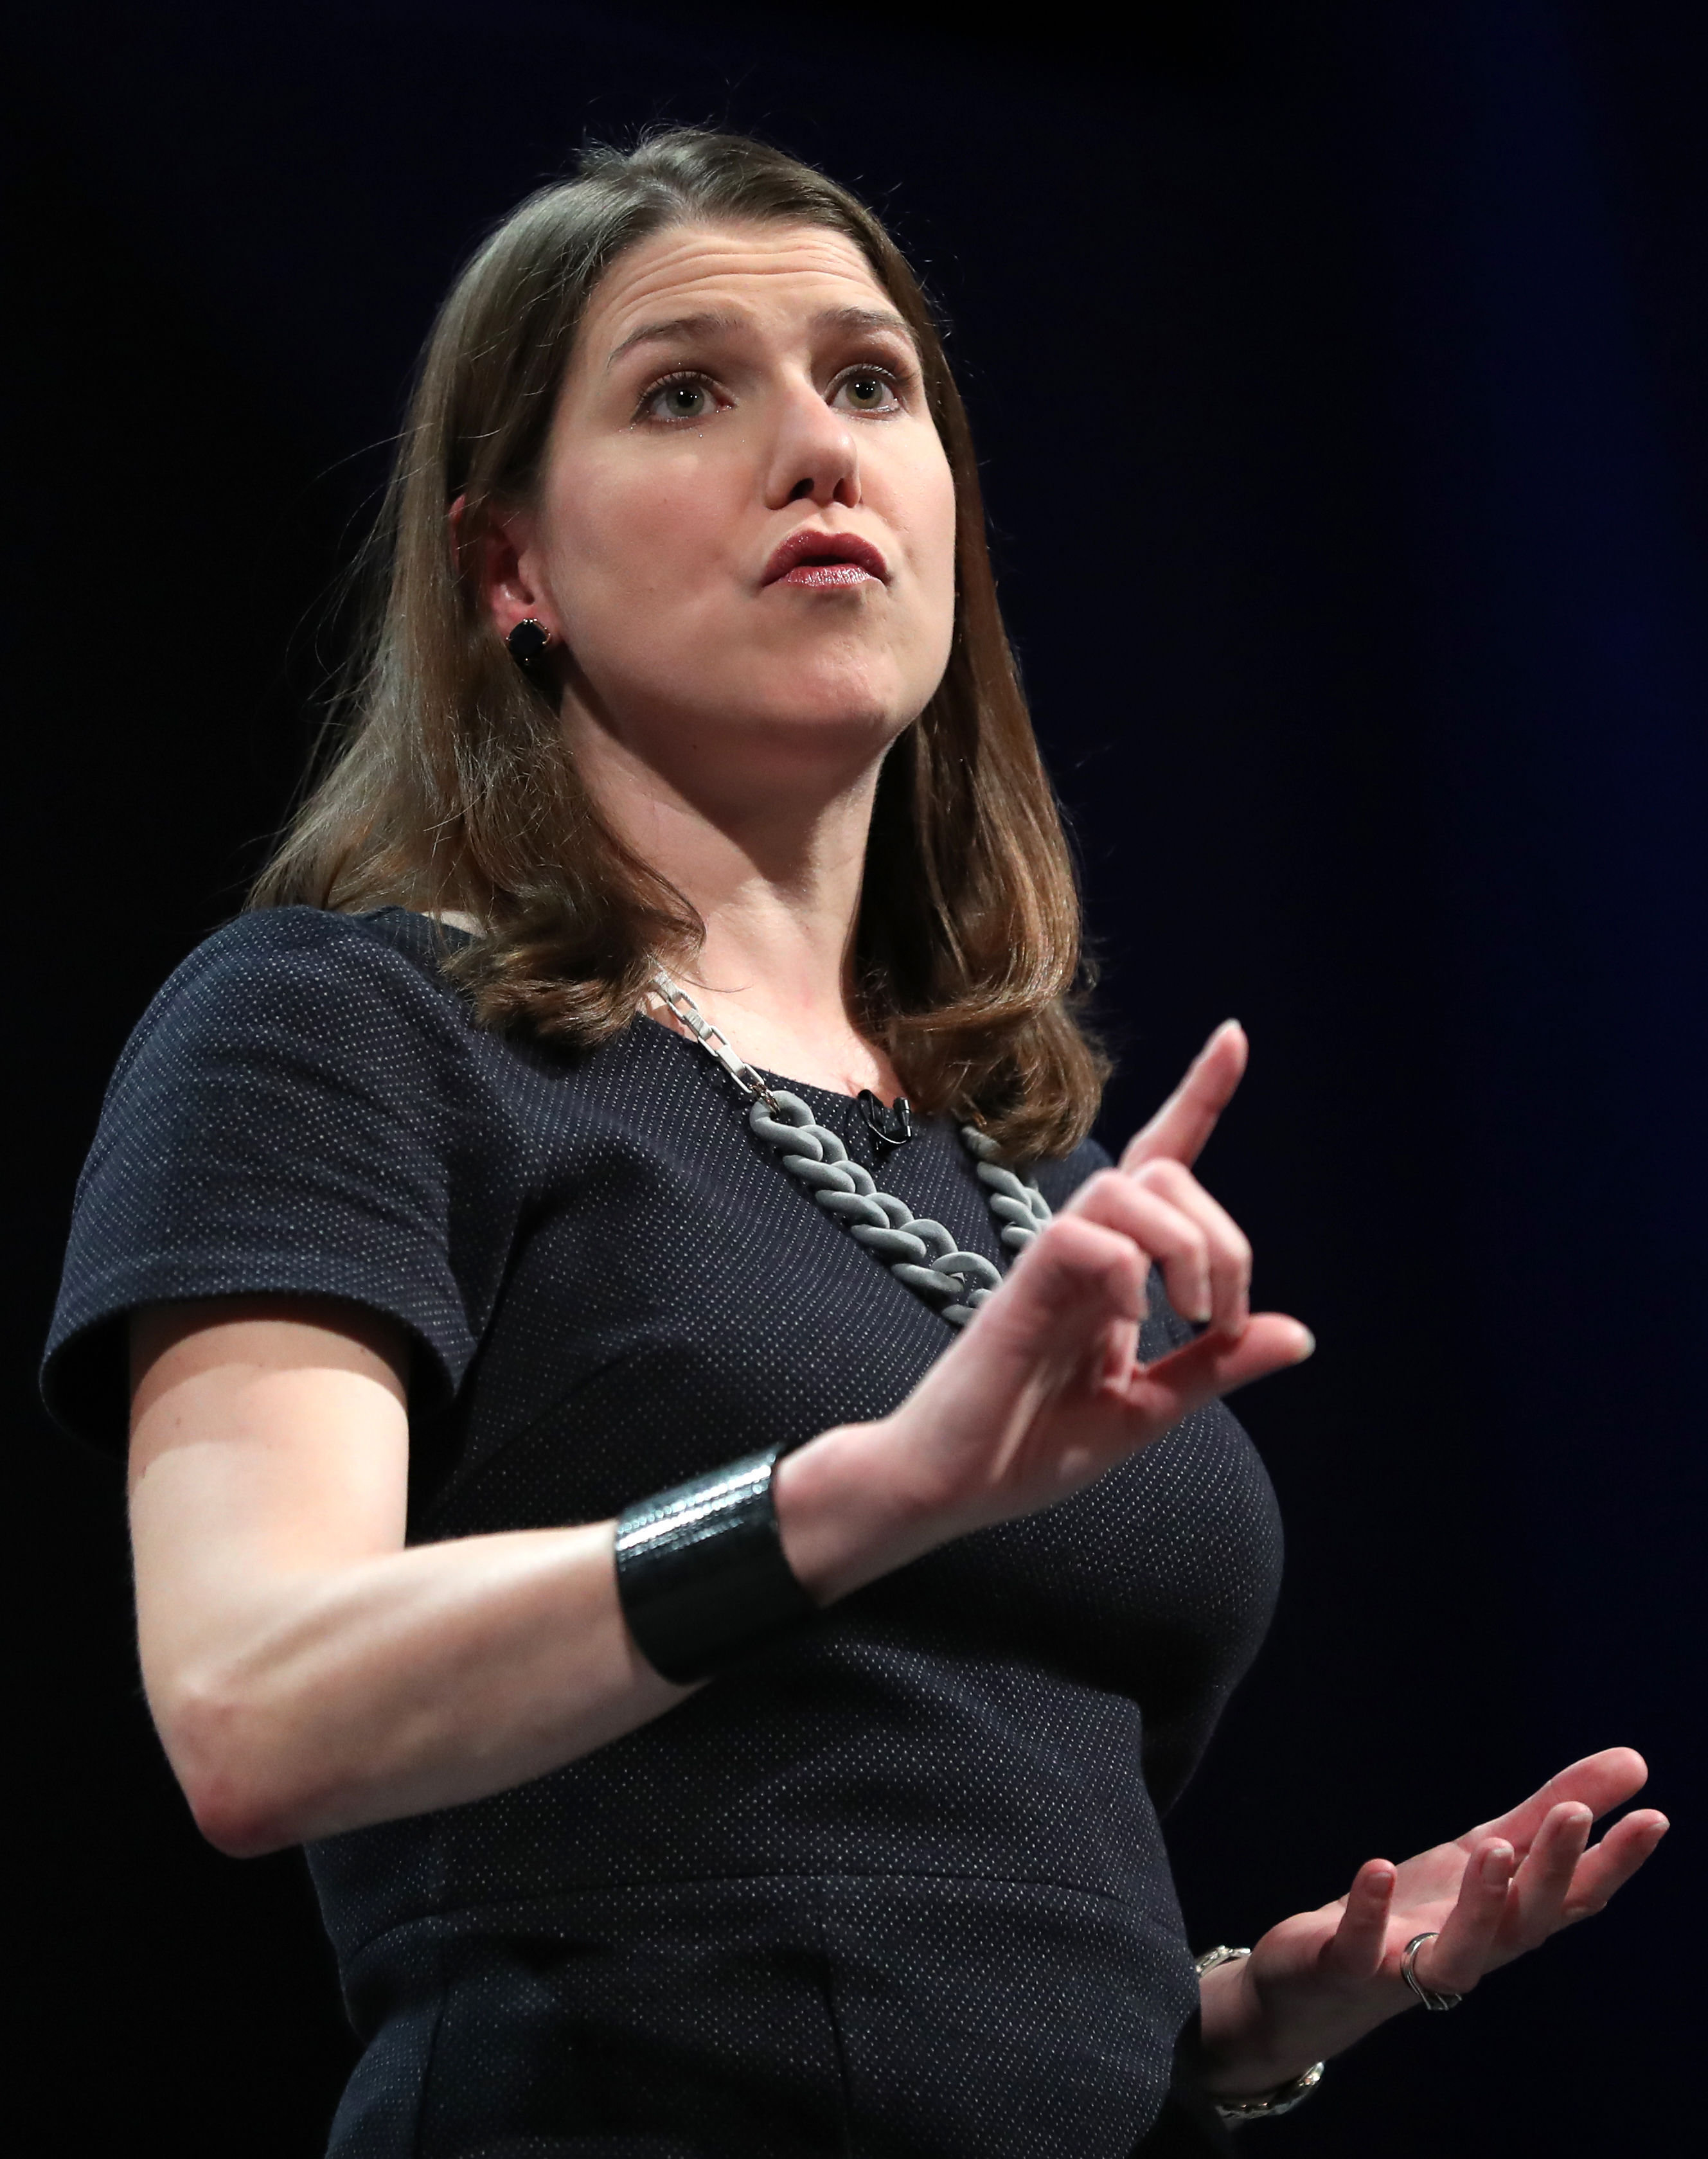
[1600, 1782]
[1544, 1880]
[1215, 1364]
[1075, 1259]
[1167, 1232]
[1355, 1948]
[1465, 1947]
[1230, 1249]
[1605, 1867]
[1077, 1287]
[1077, 1291]
[1187, 1119]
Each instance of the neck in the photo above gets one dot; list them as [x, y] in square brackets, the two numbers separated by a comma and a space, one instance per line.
[774, 871]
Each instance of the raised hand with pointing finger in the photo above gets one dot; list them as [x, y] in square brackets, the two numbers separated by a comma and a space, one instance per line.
[1044, 1391]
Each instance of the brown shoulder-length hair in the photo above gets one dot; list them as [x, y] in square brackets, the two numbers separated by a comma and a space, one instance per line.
[451, 789]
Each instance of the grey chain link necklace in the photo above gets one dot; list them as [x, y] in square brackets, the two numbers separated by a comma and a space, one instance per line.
[917, 1250]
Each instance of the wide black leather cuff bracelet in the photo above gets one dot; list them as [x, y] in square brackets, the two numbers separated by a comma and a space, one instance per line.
[701, 1574]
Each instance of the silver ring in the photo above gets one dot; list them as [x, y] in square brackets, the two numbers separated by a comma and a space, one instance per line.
[1408, 1971]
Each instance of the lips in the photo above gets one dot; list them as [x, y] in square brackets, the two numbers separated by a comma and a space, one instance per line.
[825, 561]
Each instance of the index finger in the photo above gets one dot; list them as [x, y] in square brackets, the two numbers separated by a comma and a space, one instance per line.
[1187, 1119]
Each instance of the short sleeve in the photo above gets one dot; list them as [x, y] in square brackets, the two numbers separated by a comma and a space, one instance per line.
[286, 1121]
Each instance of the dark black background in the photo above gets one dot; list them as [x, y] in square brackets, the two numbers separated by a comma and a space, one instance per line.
[1338, 370]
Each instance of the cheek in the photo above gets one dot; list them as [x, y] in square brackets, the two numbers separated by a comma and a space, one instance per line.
[622, 537]
[934, 522]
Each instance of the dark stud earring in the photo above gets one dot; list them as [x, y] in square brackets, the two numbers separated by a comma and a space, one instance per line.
[527, 641]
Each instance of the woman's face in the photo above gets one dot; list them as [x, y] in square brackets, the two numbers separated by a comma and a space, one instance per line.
[745, 533]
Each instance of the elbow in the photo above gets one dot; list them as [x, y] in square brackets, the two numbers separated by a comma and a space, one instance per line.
[227, 1757]
[237, 1821]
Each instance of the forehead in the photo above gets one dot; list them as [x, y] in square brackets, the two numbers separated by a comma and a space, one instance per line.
[772, 272]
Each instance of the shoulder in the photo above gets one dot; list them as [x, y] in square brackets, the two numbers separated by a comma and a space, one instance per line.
[289, 1119]
[307, 953]
[293, 1053]
[297, 983]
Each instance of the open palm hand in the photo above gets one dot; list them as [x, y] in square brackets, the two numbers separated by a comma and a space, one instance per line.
[1323, 1979]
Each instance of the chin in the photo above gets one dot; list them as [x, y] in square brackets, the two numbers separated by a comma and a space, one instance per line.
[860, 702]
[852, 728]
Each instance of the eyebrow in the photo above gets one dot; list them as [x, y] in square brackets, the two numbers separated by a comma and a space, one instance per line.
[679, 328]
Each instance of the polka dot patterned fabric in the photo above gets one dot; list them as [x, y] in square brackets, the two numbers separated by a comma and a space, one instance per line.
[896, 1886]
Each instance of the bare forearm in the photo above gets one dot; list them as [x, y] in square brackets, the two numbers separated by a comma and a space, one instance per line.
[311, 1674]
[414, 1679]
[323, 1701]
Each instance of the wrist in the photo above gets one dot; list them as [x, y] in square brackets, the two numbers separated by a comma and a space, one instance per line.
[1242, 2053]
[843, 1515]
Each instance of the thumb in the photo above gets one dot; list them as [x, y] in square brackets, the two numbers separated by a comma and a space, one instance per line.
[1215, 1364]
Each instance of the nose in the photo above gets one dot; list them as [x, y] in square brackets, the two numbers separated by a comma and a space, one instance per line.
[815, 457]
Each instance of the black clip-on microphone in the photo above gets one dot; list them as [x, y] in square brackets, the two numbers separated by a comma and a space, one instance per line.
[891, 1128]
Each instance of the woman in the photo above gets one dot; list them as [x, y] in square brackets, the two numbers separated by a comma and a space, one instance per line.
[815, 1809]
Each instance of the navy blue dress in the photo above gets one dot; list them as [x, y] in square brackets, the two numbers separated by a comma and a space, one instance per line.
[896, 1887]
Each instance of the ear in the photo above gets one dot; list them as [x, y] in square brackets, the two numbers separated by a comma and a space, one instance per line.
[502, 559]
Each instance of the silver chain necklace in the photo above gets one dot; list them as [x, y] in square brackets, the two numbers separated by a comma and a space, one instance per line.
[917, 1250]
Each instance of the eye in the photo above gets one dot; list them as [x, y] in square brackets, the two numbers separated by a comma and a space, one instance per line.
[683, 397]
[867, 390]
